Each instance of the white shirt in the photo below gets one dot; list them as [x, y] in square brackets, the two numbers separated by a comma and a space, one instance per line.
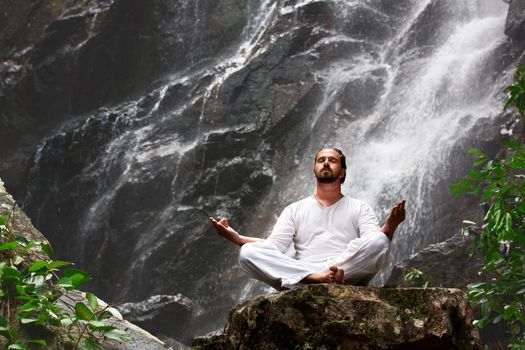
[321, 233]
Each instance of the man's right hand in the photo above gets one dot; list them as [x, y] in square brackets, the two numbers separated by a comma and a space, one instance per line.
[225, 230]
[230, 234]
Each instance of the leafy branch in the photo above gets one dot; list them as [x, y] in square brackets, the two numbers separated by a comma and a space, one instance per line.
[500, 184]
[33, 294]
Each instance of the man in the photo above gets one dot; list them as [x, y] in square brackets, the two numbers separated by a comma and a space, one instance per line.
[336, 238]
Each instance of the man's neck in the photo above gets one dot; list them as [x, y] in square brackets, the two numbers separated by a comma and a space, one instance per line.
[328, 194]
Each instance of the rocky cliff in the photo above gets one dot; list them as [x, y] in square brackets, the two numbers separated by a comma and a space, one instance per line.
[124, 124]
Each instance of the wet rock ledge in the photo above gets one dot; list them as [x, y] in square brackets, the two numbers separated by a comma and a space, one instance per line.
[329, 316]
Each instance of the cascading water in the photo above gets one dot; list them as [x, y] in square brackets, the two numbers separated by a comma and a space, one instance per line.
[125, 190]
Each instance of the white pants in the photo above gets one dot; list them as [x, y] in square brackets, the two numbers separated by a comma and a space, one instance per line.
[361, 260]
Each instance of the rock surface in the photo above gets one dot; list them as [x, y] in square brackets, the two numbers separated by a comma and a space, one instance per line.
[515, 24]
[435, 262]
[162, 313]
[329, 316]
[124, 124]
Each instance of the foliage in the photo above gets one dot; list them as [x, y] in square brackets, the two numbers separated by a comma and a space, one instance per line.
[500, 183]
[414, 278]
[33, 294]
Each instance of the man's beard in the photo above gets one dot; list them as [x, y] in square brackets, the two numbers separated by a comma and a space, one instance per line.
[327, 178]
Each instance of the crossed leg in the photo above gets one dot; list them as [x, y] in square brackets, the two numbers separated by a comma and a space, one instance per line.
[360, 261]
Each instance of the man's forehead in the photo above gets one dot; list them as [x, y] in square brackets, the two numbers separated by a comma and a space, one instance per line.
[328, 152]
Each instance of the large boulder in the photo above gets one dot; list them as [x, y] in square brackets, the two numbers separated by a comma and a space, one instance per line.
[435, 263]
[327, 316]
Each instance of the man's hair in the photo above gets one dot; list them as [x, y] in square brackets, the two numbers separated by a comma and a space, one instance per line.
[342, 158]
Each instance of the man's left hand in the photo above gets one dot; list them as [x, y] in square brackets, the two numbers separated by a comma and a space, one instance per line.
[397, 216]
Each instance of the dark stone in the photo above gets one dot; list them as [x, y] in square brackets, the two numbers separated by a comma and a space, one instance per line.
[436, 260]
[515, 25]
[159, 314]
[330, 316]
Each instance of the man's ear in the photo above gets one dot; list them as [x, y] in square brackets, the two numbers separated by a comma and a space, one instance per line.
[342, 174]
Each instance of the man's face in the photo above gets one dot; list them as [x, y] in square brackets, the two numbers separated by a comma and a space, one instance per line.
[327, 168]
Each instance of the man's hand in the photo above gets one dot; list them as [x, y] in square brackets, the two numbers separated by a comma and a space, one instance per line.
[230, 234]
[225, 230]
[397, 216]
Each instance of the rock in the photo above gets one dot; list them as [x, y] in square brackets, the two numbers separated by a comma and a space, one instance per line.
[164, 314]
[327, 316]
[515, 24]
[435, 262]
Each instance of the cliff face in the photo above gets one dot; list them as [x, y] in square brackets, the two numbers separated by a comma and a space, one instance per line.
[347, 317]
[125, 124]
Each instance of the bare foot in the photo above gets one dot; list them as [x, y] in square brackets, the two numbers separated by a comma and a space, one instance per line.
[339, 274]
[319, 277]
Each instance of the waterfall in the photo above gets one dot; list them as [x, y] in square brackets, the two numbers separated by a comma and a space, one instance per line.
[403, 88]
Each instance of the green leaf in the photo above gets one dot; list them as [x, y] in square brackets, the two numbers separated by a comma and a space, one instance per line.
[77, 277]
[27, 307]
[37, 265]
[83, 312]
[28, 320]
[4, 219]
[517, 164]
[57, 264]
[67, 321]
[92, 343]
[9, 245]
[37, 341]
[476, 152]
[20, 289]
[475, 174]
[93, 301]
[22, 240]
[119, 335]
[104, 315]
[66, 283]
[11, 275]
[46, 248]
[100, 326]
[480, 162]
[508, 222]
[17, 346]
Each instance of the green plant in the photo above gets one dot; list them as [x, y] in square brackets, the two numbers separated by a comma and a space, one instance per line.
[32, 293]
[501, 185]
[414, 278]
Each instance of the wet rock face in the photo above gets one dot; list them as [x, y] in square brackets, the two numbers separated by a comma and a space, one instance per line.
[435, 262]
[82, 55]
[161, 314]
[134, 121]
[515, 25]
[348, 317]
